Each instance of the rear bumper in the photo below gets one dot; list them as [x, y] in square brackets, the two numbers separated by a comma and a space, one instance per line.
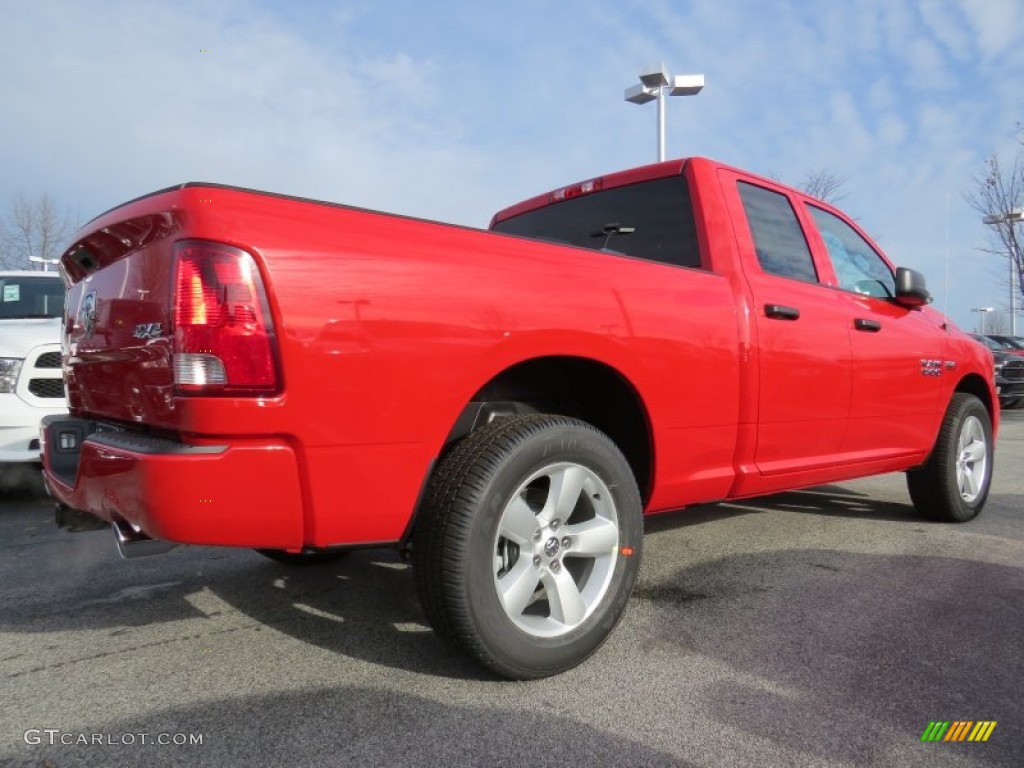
[244, 494]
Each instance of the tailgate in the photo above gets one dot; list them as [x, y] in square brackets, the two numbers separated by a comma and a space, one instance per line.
[157, 314]
[117, 314]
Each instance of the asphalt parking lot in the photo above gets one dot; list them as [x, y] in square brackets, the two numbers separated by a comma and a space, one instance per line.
[827, 627]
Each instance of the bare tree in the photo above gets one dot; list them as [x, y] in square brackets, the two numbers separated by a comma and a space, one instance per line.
[998, 195]
[33, 227]
[825, 185]
[998, 323]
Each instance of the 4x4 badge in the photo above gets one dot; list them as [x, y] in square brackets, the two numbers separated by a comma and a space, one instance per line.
[147, 330]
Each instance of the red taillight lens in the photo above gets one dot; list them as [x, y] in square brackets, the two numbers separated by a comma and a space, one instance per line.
[223, 333]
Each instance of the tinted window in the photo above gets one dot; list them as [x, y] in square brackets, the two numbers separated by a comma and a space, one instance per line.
[22, 297]
[659, 213]
[1006, 342]
[779, 241]
[992, 344]
[858, 267]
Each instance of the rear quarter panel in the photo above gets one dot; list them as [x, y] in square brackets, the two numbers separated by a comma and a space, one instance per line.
[388, 326]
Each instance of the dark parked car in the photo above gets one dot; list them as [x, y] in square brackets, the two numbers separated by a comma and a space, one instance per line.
[1012, 344]
[1009, 371]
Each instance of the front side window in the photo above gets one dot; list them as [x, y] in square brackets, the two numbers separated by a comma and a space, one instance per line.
[778, 239]
[26, 297]
[858, 266]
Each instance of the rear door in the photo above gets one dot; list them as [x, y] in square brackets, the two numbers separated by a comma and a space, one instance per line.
[805, 370]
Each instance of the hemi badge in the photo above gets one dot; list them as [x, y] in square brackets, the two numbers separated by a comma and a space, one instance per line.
[951, 364]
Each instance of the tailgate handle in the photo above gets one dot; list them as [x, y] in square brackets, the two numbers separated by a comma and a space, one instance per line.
[871, 326]
[782, 312]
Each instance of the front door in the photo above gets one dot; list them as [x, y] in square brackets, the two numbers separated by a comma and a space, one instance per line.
[897, 351]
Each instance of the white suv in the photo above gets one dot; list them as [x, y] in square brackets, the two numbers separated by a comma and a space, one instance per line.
[31, 384]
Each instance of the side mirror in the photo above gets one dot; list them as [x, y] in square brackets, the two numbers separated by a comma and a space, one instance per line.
[910, 288]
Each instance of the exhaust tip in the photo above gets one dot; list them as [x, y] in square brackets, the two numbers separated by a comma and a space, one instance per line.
[132, 544]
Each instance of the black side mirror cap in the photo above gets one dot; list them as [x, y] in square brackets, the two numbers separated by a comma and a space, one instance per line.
[911, 290]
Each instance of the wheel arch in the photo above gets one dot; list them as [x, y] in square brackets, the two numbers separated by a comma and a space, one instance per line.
[581, 387]
[974, 384]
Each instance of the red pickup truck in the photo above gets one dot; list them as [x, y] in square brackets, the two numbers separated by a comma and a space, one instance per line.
[252, 370]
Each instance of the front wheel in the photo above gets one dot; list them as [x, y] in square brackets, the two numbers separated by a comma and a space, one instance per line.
[953, 485]
[528, 544]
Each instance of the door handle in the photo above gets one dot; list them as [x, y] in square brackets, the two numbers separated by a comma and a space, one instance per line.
[781, 312]
[871, 326]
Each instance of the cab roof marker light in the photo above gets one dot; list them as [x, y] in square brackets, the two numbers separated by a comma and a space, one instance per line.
[584, 188]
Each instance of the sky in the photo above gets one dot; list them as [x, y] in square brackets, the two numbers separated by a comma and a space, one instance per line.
[451, 110]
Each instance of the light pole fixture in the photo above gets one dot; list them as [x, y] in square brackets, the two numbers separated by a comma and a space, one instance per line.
[45, 262]
[654, 81]
[982, 311]
[1010, 218]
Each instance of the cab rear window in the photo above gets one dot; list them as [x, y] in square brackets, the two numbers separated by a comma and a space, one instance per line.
[650, 220]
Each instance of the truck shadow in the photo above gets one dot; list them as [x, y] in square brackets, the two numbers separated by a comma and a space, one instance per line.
[364, 606]
[828, 500]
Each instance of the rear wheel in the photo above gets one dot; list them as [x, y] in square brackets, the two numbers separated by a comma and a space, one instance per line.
[528, 545]
[954, 484]
[302, 558]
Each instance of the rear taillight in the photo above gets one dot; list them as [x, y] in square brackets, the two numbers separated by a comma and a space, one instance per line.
[223, 333]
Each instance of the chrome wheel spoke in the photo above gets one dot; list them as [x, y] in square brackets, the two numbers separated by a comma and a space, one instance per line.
[517, 586]
[565, 490]
[564, 598]
[975, 452]
[518, 523]
[968, 483]
[595, 537]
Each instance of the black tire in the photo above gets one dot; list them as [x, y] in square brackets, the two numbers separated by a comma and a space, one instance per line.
[478, 506]
[953, 485]
[303, 558]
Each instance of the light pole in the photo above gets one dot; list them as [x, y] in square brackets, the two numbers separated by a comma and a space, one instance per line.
[45, 262]
[1010, 218]
[982, 311]
[653, 83]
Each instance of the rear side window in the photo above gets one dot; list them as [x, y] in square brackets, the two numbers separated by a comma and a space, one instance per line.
[778, 239]
[650, 220]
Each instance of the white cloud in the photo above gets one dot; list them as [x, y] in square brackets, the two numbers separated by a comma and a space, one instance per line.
[996, 23]
[452, 110]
